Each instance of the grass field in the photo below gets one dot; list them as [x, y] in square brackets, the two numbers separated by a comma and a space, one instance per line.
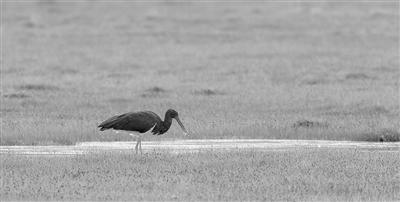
[254, 70]
[311, 175]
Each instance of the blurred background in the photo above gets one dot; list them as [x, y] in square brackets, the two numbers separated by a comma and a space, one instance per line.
[287, 70]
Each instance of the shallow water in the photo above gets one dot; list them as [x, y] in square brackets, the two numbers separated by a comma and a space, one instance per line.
[188, 146]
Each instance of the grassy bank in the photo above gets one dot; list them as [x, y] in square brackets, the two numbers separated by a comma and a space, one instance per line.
[327, 175]
[241, 70]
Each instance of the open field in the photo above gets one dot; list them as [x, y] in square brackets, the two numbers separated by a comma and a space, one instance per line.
[324, 70]
[284, 70]
[314, 174]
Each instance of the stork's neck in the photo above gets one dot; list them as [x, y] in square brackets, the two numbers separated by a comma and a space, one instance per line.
[167, 122]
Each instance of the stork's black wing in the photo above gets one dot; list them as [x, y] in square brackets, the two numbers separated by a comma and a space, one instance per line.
[133, 121]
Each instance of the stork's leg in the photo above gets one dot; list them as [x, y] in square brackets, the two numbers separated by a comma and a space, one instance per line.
[137, 145]
[140, 145]
[137, 141]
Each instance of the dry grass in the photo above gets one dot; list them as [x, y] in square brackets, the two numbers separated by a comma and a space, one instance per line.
[310, 175]
[240, 71]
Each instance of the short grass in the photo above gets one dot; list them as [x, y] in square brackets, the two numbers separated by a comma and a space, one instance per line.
[307, 175]
[239, 70]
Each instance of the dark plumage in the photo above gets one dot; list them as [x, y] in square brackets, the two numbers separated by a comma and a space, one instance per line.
[142, 122]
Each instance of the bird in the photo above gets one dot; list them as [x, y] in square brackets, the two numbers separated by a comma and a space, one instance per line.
[136, 124]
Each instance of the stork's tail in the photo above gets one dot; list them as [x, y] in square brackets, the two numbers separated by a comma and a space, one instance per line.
[109, 123]
[103, 129]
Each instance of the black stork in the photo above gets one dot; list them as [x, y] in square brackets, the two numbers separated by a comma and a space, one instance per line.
[138, 123]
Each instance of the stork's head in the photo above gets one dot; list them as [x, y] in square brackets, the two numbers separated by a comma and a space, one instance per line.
[174, 114]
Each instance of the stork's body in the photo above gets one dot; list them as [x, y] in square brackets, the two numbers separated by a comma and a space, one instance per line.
[138, 123]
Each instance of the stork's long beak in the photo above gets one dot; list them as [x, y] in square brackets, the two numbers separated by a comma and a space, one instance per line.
[180, 123]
